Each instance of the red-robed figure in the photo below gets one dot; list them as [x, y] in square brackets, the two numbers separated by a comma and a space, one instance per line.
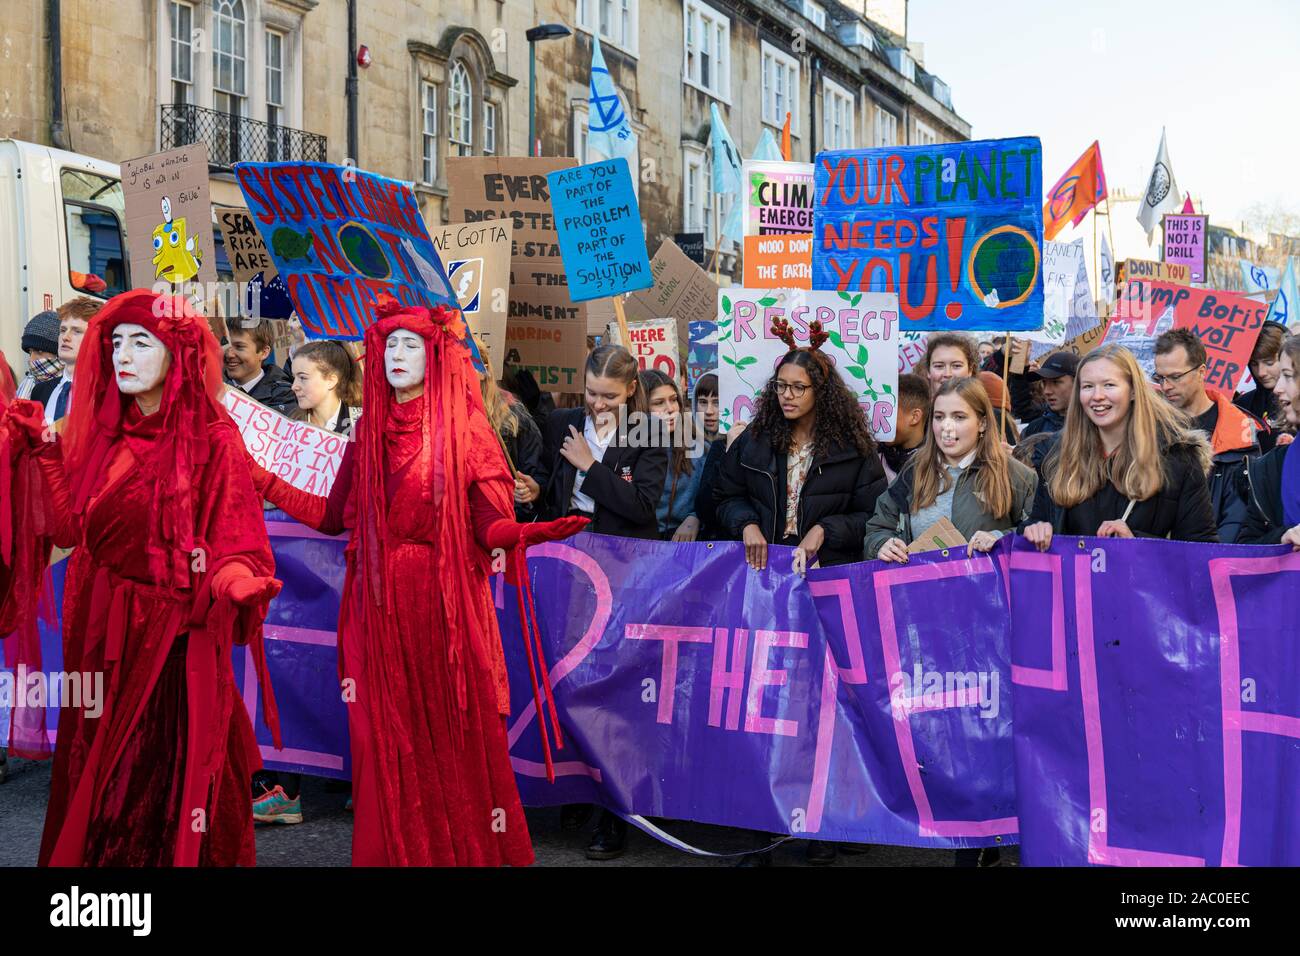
[172, 566]
[426, 493]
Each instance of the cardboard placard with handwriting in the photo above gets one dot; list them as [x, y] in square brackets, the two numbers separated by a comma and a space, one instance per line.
[477, 259]
[169, 218]
[942, 534]
[681, 289]
[245, 248]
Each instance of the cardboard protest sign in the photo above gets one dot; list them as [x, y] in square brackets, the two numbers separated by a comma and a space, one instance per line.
[703, 355]
[305, 456]
[653, 345]
[169, 220]
[1161, 271]
[1226, 323]
[245, 249]
[477, 259]
[784, 261]
[911, 349]
[515, 188]
[602, 240]
[340, 238]
[778, 197]
[955, 229]
[681, 289]
[863, 345]
[942, 534]
[1184, 242]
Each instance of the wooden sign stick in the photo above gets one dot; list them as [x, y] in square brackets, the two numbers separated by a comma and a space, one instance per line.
[622, 322]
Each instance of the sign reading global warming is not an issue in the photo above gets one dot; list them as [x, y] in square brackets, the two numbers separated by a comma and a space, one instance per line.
[955, 229]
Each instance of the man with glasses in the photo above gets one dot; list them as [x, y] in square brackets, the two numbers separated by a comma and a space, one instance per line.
[1180, 378]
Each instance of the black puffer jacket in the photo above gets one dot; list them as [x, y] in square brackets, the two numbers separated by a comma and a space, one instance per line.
[1262, 492]
[1181, 510]
[839, 494]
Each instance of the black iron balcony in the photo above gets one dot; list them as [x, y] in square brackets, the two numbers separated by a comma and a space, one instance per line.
[237, 139]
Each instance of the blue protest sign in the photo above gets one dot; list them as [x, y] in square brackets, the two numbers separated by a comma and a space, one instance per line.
[956, 229]
[599, 224]
[341, 237]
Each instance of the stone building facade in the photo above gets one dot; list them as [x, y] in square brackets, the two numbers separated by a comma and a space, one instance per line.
[266, 79]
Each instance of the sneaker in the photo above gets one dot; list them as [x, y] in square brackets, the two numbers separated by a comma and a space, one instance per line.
[274, 806]
[348, 806]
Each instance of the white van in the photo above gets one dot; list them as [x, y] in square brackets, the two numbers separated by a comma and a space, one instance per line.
[60, 213]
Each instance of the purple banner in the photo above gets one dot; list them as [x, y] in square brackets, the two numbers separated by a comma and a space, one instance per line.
[1156, 692]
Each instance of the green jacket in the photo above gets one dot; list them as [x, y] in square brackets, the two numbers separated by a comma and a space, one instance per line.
[893, 514]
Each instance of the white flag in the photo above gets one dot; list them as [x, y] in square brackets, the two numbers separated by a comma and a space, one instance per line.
[1162, 191]
[1106, 281]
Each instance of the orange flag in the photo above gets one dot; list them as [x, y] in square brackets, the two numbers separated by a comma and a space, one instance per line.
[785, 137]
[1081, 188]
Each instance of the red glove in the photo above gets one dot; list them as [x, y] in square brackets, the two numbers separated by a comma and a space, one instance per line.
[236, 582]
[557, 530]
[25, 420]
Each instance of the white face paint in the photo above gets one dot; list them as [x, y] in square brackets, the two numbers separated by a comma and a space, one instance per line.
[404, 359]
[140, 360]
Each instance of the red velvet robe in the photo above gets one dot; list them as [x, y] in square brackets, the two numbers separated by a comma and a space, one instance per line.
[430, 788]
[162, 776]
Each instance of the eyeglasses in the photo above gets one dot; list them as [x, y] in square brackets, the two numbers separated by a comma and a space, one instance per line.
[1175, 379]
[796, 389]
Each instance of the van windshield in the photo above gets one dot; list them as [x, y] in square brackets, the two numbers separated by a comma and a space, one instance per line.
[93, 208]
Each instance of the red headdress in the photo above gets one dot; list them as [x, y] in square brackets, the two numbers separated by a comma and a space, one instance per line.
[171, 444]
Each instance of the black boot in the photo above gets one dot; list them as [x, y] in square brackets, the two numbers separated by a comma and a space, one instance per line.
[610, 839]
[820, 853]
[763, 858]
[574, 816]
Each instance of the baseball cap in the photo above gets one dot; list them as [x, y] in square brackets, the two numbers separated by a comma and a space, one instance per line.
[1055, 365]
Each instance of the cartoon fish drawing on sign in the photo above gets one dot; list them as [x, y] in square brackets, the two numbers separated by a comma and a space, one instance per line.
[175, 257]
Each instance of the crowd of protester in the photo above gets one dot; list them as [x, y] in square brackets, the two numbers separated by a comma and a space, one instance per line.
[1073, 445]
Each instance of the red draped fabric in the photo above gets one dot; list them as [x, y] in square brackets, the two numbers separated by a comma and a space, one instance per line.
[422, 490]
[165, 521]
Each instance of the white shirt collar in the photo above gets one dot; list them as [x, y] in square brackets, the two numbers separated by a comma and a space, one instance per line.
[252, 383]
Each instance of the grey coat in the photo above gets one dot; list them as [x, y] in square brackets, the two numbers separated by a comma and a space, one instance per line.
[893, 514]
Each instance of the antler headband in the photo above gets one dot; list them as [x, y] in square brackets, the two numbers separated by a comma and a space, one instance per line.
[816, 334]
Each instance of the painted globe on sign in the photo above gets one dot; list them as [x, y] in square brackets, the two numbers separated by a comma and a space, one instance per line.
[363, 251]
[1005, 260]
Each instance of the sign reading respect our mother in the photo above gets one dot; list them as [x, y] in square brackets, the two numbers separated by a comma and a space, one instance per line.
[955, 229]
[863, 345]
[599, 224]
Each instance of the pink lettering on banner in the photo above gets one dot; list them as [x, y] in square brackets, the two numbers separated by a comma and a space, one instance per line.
[761, 676]
[884, 582]
[671, 636]
[724, 679]
[590, 638]
[1100, 849]
[1237, 721]
[1055, 678]
[282, 445]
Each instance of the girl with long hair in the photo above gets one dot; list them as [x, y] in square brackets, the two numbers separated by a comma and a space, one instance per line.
[676, 510]
[961, 472]
[520, 437]
[425, 492]
[327, 384]
[1125, 464]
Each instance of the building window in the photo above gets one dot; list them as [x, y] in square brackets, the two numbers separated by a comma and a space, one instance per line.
[460, 110]
[429, 132]
[229, 56]
[886, 127]
[489, 129]
[615, 21]
[925, 136]
[816, 13]
[780, 88]
[708, 49]
[181, 18]
[274, 78]
[837, 115]
[580, 134]
[697, 197]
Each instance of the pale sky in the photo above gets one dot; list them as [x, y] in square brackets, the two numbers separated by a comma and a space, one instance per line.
[1222, 78]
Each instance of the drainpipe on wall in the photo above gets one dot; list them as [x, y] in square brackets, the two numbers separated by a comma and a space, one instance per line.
[53, 17]
[812, 109]
[351, 85]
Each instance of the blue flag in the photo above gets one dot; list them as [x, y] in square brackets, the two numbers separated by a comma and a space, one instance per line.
[726, 158]
[1257, 278]
[1286, 307]
[608, 131]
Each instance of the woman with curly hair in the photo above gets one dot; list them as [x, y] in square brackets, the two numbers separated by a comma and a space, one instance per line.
[805, 472]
